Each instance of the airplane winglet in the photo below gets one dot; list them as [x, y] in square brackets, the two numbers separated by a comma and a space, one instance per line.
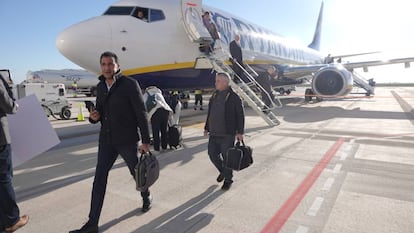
[317, 36]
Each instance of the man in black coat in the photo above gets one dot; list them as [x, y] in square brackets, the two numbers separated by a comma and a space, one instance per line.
[237, 55]
[120, 109]
[224, 124]
[10, 219]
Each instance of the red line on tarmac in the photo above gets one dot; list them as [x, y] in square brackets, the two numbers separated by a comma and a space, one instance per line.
[283, 214]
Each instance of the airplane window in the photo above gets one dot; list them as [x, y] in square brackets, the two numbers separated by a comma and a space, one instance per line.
[141, 13]
[119, 10]
[156, 15]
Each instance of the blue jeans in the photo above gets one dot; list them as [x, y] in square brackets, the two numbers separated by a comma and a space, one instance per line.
[9, 211]
[217, 147]
[107, 155]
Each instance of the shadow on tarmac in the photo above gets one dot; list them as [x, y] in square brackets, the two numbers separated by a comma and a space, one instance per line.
[296, 111]
[184, 218]
[58, 168]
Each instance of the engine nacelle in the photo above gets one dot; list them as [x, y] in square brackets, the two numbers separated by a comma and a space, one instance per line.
[332, 80]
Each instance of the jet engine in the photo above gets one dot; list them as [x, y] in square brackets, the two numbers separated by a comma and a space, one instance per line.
[332, 80]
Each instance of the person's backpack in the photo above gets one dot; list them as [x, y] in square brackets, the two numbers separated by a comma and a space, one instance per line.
[174, 136]
[147, 171]
[151, 102]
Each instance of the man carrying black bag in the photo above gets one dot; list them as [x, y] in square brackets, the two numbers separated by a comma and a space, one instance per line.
[224, 124]
[238, 157]
[121, 111]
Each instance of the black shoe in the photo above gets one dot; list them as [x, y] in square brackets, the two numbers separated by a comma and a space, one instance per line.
[220, 178]
[201, 108]
[87, 228]
[226, 185]
[146, 203]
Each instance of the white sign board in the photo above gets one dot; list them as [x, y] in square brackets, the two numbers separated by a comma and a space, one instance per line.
[30, 130]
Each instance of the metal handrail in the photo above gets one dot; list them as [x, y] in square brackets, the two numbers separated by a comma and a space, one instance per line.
[223, 58]
[251, 79]
[220, 61]
[251, 69]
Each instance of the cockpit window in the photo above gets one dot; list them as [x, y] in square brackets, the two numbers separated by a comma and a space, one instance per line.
[119, 10]
[156, 15]
[145, 14]
[149, 15]
[141, 13]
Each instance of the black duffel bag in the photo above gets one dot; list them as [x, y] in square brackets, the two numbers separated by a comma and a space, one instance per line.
[147, 171]
[238, 157]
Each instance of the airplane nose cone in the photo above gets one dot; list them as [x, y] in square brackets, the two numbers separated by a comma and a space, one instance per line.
[84, 42]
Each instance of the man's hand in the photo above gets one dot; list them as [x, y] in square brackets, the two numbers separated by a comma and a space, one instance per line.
[143, 148]
[94, 115]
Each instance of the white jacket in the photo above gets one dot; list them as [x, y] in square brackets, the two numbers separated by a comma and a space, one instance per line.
[159, 98]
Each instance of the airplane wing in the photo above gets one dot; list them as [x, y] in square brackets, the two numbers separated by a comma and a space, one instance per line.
[300, 72]
[354, 54]
[365, 64]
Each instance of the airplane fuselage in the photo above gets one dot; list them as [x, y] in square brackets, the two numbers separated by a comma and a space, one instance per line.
[160, 53]
[67, 77]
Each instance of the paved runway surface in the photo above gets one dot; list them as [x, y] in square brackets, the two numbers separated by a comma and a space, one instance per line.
[344, 165]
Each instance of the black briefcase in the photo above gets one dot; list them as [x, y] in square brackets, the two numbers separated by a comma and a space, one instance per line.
[238, 157]
[147, 171]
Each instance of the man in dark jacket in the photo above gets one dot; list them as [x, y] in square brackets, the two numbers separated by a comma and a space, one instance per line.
[237, 55]
[224, 124]
[120, 109]
[10, 219]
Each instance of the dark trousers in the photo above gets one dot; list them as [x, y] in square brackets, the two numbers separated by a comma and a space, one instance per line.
[198, 99]
[217, 148]
[107, 155]
[9, 211]
[159, 124]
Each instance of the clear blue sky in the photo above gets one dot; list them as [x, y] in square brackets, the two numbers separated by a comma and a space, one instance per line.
[29, 29]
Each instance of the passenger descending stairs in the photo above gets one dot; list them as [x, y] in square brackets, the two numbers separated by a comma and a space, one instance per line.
[246, 90]
[367, 85]
[197, 33]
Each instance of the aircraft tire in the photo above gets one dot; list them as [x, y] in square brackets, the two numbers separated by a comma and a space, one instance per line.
[308, 92]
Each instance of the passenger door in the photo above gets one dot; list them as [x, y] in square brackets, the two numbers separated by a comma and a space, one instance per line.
[192, 20]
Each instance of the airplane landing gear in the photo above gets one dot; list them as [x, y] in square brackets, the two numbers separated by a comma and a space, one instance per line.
[308, 94]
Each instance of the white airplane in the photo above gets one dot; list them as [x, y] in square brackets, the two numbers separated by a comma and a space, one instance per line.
[85, 80]
[161, 50]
